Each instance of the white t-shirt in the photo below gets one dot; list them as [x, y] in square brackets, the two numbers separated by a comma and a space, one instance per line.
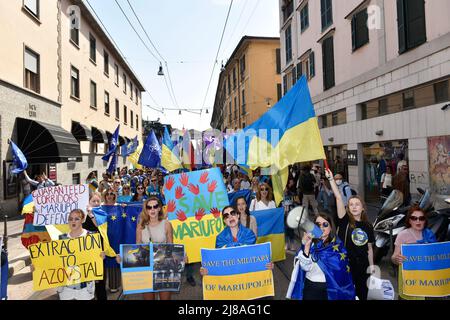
[259, 205]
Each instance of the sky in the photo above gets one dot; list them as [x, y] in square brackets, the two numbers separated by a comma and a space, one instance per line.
[186, 33]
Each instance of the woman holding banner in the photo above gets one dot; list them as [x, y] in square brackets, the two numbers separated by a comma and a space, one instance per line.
[153, 227]
[109, 198]
[234, 234]
[321, 270]
[246, 219]
[355, 230]
[85, 290]
[416, 232]
[264, 198]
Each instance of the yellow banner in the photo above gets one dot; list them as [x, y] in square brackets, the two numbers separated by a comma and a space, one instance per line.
[66, 262]
[244, 286]
[426, 283]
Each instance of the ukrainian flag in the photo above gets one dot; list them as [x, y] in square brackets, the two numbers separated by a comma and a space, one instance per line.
[286, 134]
[28, 204]
[271, 229]
[134, 157]
[102, 224]
[169, 160]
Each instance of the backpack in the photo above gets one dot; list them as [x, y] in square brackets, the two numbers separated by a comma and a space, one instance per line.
[353, 191]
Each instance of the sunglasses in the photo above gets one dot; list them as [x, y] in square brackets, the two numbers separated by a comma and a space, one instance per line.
[233, 213]
[264, 189]
[111, 194]
[414, 218]
[325, 224]
[140, 188]
[152, 207]
[116, 182]
[153, 180]
[74, 219]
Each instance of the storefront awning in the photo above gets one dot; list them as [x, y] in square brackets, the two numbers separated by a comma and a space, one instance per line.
[99, 136]
[81, 132]
[46, 143]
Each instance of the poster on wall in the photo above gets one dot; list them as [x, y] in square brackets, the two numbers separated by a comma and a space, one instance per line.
[439, 163]
[10, 181]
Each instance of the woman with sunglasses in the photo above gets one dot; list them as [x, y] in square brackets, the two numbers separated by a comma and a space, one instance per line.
[264, 198]
[109, 197]
[85, 290]
[321, 270]
[356, 232]
[246, 219]
[153, 227]
[140, 194]
[416, 232]
[234, 234]
[154, 189]
[126, 194]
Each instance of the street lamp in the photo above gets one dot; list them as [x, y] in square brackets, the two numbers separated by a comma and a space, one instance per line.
[160, 71]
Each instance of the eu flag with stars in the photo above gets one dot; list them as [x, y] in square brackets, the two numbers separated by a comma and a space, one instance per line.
[19, 160]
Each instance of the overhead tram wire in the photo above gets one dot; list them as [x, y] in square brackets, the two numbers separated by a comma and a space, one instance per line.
[236, 25]
[145, 45]
[217, 54]
[154, 47]
[114, 42]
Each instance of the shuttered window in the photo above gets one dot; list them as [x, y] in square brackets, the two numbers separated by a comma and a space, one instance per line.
[360, 32]
[410, 24]
[31, 63]
[277, 53]
[326, 13]
[328, 63]
[312, 69]
[75, 82]
[288, 43]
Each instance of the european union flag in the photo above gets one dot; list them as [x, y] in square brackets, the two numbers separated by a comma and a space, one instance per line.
[151, 152]
[112, 144]
[19, 160]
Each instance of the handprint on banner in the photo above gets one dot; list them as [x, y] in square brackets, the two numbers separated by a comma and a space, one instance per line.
[212, 186]
[171, 206]
[199, 214]
[169, 183]
[215, 212]
[181, 215]
[194, 189]
[184, 180]
[204, 177]
[179, 193]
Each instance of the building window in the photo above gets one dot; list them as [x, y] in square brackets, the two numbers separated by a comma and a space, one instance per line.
[131, 91]
[278, 60]
[334, 118]
[328, 63]
[294, 75]
[235, 108]
[360, 32]
[125, 114]
[116, 74]
[92, 48]
[75, 83]
[137, 95]
[106, 103]
[410, 24]
[124, 83]
[117, 110]
[288, 43]
[441, 91]
[234, 78]
[106, 63]
[137, 122]
[243, 102]
[287, 9]
[279, 94]
[312, 68]
[324, 121]
[408, 99]
[229, 114]
[31, 70]
[382, 107]
[229, 84]
[76, 178]
[285, 89]
[131, 118]
[32, 6]
[326, 13]
[304, 18]
[74, 31]
[242, 66]
[93, 95]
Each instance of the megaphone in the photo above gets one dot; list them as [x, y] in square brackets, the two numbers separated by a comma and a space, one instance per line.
[298, 217]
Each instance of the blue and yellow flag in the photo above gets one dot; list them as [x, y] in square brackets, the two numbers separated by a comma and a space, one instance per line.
[168, 159]
[28, 204]
[19, 160]
[286, 134]
[271, 229]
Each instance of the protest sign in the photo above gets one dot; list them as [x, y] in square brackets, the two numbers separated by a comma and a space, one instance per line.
[53, 204]
[66, 262]
[194, 202]
[151, 267]
[237, 273]
[426, 270]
